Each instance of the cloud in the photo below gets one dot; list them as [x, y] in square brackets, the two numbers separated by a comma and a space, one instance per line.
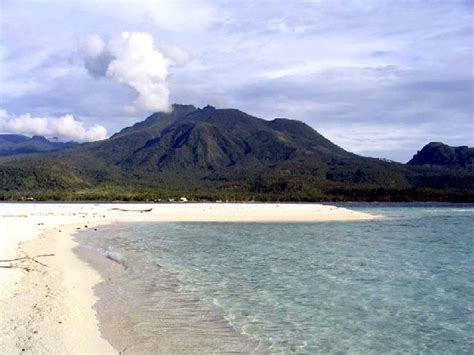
[332, 64]
[393, 141]
[65, 128]
[91, 45]
[176, 54]
[96, 59]
[366, 139]
[133, 60]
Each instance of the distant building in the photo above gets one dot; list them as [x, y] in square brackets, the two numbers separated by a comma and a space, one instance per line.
[183, 199]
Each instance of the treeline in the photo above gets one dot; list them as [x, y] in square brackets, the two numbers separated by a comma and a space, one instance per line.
[334, 195]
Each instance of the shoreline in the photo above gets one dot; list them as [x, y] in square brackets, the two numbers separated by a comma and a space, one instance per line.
[44, 300]
[182, 321]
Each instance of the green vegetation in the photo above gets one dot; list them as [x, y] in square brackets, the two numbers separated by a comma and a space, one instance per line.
[439, 154]
[210, 154]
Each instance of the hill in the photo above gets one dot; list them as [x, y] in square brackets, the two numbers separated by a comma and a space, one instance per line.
[442, 155]
[14, 144]
[209, 153]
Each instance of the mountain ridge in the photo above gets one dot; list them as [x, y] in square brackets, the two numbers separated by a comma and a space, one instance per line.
[14, 144]
[209, 153]
[443, 155]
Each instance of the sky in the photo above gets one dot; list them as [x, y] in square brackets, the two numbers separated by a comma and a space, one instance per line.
[379, 78]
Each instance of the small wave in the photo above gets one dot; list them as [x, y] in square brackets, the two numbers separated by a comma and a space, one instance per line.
[446, 211]
[115, 256]
[462, 210]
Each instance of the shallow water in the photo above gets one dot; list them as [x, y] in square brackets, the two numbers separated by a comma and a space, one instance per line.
[403, 283]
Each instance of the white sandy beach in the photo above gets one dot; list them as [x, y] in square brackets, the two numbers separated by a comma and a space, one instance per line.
[46, 304]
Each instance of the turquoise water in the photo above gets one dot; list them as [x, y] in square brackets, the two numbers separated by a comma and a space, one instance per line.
[404, 283]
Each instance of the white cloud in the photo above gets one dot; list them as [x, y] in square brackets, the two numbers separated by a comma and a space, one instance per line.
[136, 63]
[388, 140]
[132, 59]
[65, 128]
[91, 45]
[370, 138]
[182, 15]
[178, 55]
[304, 60]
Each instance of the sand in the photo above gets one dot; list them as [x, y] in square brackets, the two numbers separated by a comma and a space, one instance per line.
[46, 303]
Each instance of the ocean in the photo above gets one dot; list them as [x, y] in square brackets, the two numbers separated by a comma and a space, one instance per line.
[403, 283]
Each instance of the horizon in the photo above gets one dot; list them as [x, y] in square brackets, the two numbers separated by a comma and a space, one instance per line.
[378, 79]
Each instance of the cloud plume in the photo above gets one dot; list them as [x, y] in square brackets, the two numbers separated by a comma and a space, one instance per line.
[65, 128]
[132, 59]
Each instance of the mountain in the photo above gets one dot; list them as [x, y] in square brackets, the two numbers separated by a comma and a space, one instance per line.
[209, 153]
[14, 144]
[442, 155]
[207, 140]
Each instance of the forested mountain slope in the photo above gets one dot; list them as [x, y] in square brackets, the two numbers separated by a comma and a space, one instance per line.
[214, 153]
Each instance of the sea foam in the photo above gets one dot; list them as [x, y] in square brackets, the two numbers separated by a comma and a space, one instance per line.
[114, 256]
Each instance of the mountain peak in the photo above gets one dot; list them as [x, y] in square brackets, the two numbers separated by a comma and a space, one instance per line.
[216, 153]
[182, 107]
[440, 154]
[208, 107]
[161, 119]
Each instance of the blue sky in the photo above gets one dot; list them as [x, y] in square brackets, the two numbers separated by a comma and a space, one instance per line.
[379, 78]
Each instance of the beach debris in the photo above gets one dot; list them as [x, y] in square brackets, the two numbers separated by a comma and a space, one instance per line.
[127, 210]
[17, 262]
